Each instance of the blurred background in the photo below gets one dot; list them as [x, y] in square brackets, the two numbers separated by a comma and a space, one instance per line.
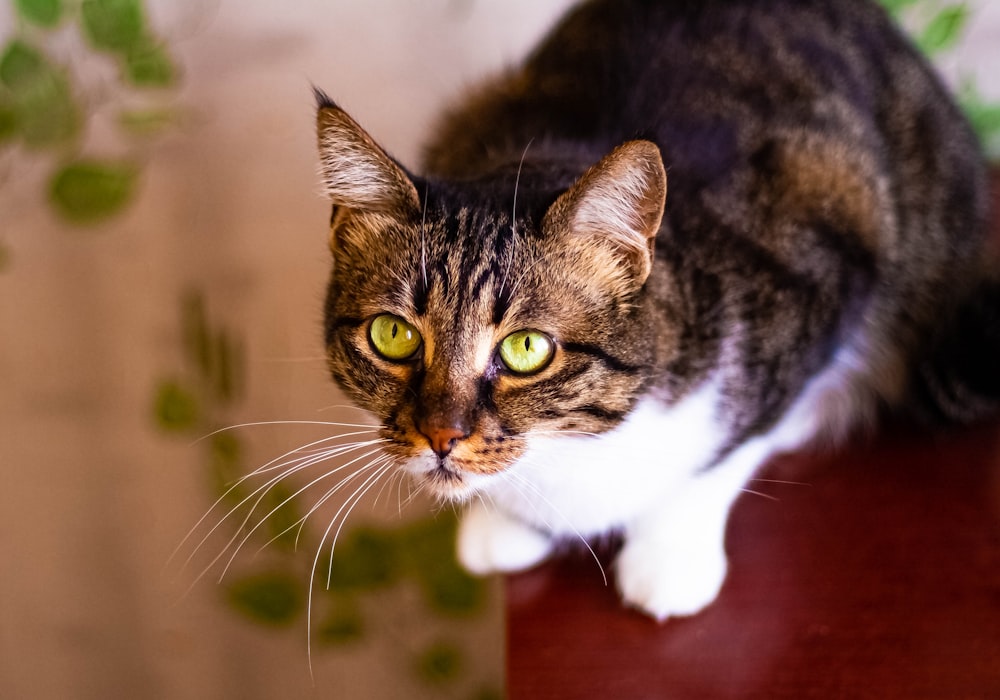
[162, 265]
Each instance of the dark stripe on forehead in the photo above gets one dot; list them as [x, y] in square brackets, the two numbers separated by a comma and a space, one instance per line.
[609, 361]
[501, 303]
[422, 291]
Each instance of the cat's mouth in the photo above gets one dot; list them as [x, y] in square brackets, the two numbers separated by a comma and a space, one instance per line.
[442, 479]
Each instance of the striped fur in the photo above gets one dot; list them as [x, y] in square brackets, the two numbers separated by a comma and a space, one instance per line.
[821, 254]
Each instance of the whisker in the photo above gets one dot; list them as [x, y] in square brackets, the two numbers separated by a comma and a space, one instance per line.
[266, 488]
[560, 432]
[306, 449]
[762, 495]
[260, 470]
[381, 490]
[285, 422]
[527, 484]
[345, 406]
[319, 549]
[513, 217]
[423, 241]
[300, 523]
[375, 463]
[351, 504]
[781, 481]
[531, 267]
[263, 490]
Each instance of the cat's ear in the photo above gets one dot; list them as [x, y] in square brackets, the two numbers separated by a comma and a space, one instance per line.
[612, 213]
[356, 173]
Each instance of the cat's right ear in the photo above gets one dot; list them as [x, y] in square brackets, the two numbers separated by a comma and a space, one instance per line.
[611, 215]
[357, 174]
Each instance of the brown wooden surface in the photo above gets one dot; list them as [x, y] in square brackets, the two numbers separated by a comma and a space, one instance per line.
[876, 577]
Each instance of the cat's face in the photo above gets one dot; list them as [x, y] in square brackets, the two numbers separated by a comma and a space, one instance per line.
[466, 332]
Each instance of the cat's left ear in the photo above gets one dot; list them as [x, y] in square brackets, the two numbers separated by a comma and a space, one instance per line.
[610, 216]
[357, 173]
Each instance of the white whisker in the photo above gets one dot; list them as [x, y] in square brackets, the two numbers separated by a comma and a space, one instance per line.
[285, 422]
[781, 481]
[300, 523]
[423, 242]
[319, 549]
[515, 477]
[302, 520]
[513, 219]
[260, 470]
[387, 483]
[560, 432]
[762, 495]
[263, 490]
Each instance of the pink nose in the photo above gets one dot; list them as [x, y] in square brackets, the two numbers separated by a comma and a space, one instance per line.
[441, 438]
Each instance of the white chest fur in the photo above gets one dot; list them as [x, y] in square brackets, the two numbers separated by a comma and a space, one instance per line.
[585, 485]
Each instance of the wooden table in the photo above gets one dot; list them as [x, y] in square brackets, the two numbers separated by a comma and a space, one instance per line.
[876, 577]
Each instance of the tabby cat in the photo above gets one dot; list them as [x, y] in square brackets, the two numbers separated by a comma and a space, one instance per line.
[548, 336]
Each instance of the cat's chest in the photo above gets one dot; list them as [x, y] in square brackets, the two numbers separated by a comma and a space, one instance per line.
[586, 484]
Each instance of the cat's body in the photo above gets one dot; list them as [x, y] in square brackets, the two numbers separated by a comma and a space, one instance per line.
[822, 241]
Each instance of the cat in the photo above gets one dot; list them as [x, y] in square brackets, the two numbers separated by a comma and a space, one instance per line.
[550, 337]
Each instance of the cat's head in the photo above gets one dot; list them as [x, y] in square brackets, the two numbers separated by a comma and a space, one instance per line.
[470, 323]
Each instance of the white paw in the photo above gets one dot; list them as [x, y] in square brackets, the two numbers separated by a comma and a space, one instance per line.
[489, 541]
[664, 580]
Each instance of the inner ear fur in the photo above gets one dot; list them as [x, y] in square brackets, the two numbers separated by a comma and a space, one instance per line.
[356, 172]
[611, 215]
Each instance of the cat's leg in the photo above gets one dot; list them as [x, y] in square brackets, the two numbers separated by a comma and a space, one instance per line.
[490, 541]
[673, 562]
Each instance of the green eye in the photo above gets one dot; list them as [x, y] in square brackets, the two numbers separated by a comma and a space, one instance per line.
[393, 338]
[526, 352]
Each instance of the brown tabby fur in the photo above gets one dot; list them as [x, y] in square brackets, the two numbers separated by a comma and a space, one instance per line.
[825, 193]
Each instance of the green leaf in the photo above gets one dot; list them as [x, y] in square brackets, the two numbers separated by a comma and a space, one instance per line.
[8, 122]
[944, 29]
[440, 663]
[283, 522]
[225, 466]
[87, 192]
[176, 408]
[449, 590]
[113, 25]
[343, 626]
[45, 13]
[896, 7]
[429, 540]
[365, 559]
[21, 65]
[147, 122]
[197, 337]
[148, 65]
[429, 549]
[47, 116]
[271, 598]
[228, 367]
[983, 115]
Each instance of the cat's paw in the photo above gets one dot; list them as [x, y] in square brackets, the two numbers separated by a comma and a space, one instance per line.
[669, 581]
[489, 541]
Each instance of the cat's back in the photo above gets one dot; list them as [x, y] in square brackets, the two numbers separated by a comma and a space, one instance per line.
[808, 146]
[707, 81]
[790, 107]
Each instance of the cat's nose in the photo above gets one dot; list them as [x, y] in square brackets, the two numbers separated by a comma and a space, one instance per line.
[441, 438]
